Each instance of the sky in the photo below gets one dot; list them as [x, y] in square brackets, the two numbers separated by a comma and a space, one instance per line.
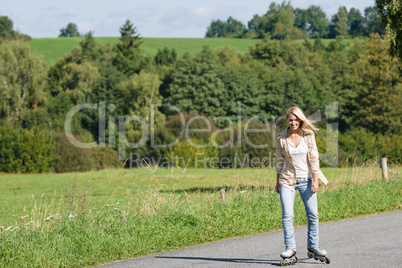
[152, 18]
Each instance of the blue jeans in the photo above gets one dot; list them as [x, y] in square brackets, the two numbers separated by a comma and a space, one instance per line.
[310, 204]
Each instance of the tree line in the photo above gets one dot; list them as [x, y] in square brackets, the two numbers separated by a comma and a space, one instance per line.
[7, 31]
[361, 77]
[281, 20]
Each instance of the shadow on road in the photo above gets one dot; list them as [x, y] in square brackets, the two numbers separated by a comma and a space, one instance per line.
[233, 260]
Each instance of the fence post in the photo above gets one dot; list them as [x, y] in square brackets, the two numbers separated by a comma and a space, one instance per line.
[222, 192]
[384, 168]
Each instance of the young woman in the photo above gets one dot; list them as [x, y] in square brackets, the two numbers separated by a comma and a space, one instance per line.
[297, 168]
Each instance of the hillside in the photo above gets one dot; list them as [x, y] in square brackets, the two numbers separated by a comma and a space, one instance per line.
[53, 48]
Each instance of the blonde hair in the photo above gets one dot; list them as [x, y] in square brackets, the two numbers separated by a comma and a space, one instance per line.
[304, 122]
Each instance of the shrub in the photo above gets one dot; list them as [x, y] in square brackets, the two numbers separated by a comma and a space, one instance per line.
[26, 150]
[72, 158]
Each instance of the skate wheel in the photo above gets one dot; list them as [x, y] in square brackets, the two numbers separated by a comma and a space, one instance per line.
[310, 255]
[282, 263]
[327, 261]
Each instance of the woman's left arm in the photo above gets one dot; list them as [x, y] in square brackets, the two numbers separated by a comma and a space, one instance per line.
[314, 185]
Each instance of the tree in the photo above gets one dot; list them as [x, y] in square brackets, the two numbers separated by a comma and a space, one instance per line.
[266, 50]
[340, 23]
[355, 22]
[71, 30]
[165, 56]
[22, 81]
[88, 46]
[372, 21]
[196, 85]
[139, 93]
[300, 20]
[391, 17]
[317, 22]
[129, 58]
[278, 22]
[380, 107]
[229, 28]
[6, 27]
[216, 29]
[129, 38]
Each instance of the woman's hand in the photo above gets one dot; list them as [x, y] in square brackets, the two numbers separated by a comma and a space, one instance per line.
[314, 185]
[277, 183]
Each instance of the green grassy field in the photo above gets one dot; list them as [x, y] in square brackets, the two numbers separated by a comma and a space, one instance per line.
[53, 48]
[90, 218]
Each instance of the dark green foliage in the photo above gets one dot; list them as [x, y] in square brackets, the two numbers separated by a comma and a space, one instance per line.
[277, 22]
[196, 85]
[355, 22]
[283, 20]
[7, 32]
[71, 30]
[364, 145]
[266, 50]
[241, 85]
[312, 20]
[129, 58]
[26, 150]
[372, 21]
[88, 46]
[71, 158]
[6, 27]
[251, 146]
[165, 56]
[381, 79]
[230, 28]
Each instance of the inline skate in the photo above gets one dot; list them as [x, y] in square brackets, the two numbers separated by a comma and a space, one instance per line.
[288, 257]
[318, 254]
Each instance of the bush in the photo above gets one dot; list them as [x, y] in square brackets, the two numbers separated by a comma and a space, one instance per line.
[360, 145]
[26, 150]
[72, 158]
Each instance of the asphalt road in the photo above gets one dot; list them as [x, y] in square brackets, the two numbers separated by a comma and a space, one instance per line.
[373, 241]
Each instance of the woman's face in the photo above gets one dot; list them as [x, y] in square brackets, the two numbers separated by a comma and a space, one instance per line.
[294, 122]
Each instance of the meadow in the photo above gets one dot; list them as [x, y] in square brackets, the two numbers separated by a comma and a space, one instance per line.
[54, 48]
[89, 218]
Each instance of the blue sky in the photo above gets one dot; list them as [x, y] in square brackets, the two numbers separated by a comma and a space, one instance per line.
[153, 18]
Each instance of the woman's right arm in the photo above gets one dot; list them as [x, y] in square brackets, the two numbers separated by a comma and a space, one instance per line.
[280, 160]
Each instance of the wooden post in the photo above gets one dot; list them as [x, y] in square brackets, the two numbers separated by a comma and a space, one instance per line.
[384, 168]
[222, 192]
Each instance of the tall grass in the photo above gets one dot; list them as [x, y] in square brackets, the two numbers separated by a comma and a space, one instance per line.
[76, 229]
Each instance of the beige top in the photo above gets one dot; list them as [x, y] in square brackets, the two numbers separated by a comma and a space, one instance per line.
[284, 165]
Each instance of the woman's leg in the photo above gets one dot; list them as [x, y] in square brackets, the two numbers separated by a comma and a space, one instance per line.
[287, 200]
[310, 204]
